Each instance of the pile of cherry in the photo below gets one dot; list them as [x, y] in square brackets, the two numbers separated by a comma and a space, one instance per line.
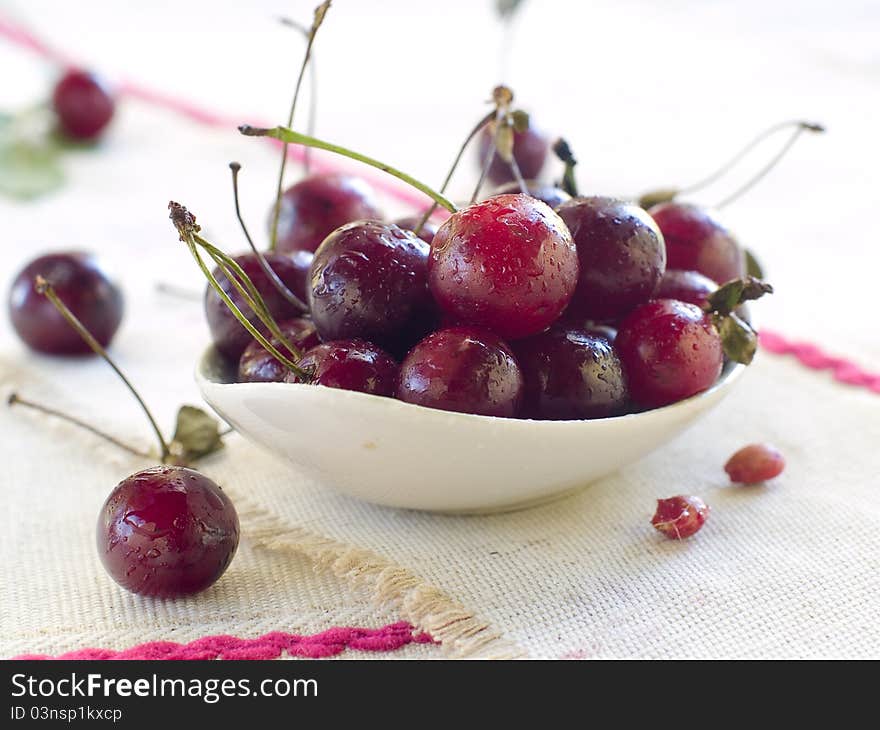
[530, 303]
[594, 307]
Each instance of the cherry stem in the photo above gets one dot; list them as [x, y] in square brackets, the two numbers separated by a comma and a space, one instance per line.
[313, 93]
[288, 135]
[485, 171]
[320, 11]
[800, 128]
[15, 399]
[264, 265]
[46, 289]
[473, 133]
[187, 229]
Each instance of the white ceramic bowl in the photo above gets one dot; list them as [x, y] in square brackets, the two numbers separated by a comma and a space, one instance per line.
[397, 454]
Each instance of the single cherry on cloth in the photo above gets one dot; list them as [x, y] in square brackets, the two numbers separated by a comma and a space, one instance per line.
[686, 286]
[621, 252]
[507, 264]
[463, 369]
[411, 222]
[530, 148]
[352, 364]
[167, 531]
[670, 350]
[570, 374]
[680, 517]
[697, 241]
[257, 365]
[545, 192]
[83, 104]
[319, 204]
[86, 289]
[369, 280]
[227, 333]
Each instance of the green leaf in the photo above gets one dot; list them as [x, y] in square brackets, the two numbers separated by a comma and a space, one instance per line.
[28, 169]
[738, 339]
[197, 434]
[736, 291]
[753, 267]
[520, 120]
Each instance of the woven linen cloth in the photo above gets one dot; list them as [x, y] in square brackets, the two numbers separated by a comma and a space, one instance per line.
[789, 569]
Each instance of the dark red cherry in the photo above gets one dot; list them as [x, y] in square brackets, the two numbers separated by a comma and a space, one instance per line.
[463, 369]
[545, 192]
[697, 241]
[411, 222]
[507, 264]
[670, 351]
[350, 365]
[570, 374]
[227, 333]
[167, 531]
[686, 286]
[83, 286]
[319, 204]
[530, 149]
[83, 104]
[258, 366]
[369, 280]
[621, 252]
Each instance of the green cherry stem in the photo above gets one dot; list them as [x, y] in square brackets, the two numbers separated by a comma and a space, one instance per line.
[320, 12]
[16, 399]
[289, 136]
[313, 91]
[264, 265]
[46, 289]
[473, 133]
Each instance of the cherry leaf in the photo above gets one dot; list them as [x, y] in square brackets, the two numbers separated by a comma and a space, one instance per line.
[197, 434]
[28, 169]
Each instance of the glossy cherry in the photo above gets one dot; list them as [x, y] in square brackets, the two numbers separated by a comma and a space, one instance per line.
[755, 463]
[462, 369]
[258, 366]
[697, 241]
[686, 286]
[167, 531]
[83, 105]
[411, 222]
[545, 192]
[621, 252]
[350, 365]
[369, 280]
[530, 148]
[670, 350]
[570, 374]
[507, 264]
[680, 517]
[227, 333]
[83, 286]
[319, 204]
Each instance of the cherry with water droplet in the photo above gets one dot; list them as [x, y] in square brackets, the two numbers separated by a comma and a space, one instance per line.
[351, 364]
[507, 264]
[570, 374]
[548, 193]
[167, 531]
[463, 369]
[530, 148]
[621, 252]
[685, 286]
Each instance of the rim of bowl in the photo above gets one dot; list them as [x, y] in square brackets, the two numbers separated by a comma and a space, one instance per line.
[731, 372]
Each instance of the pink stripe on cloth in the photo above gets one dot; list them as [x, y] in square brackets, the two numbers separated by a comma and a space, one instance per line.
[270, 646]
[811, 356]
